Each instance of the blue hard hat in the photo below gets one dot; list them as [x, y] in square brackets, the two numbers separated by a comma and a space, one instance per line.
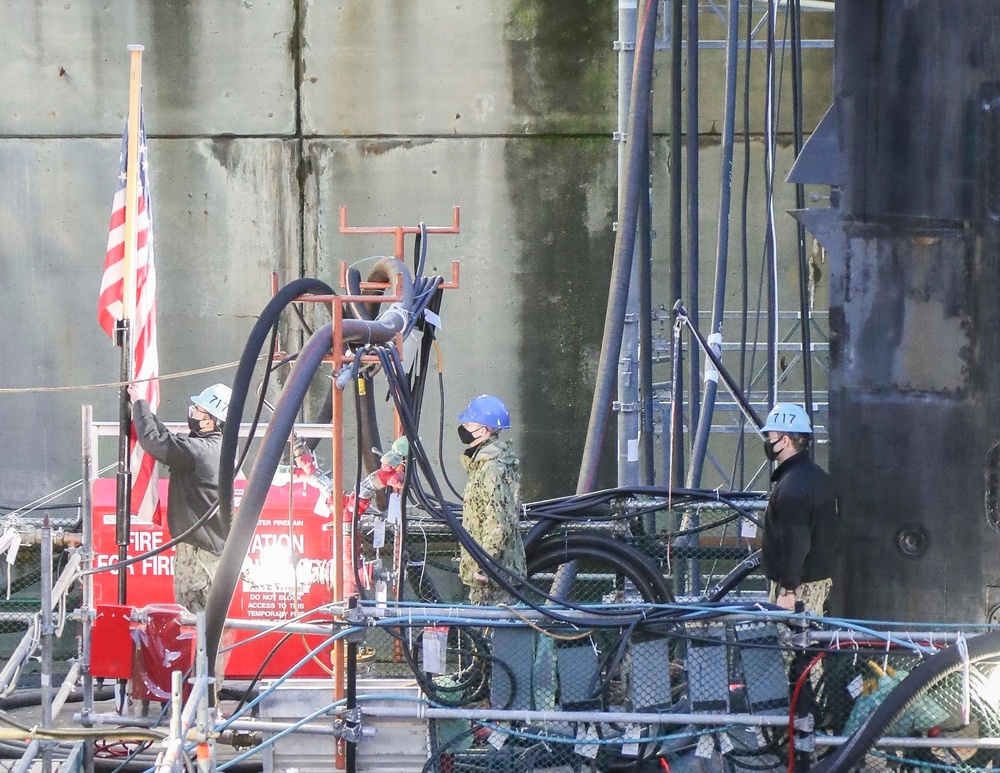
[788, 417]
[487, 410]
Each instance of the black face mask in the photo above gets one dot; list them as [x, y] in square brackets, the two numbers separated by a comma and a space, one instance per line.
[465, 435]
[194, 425]
[769, 450]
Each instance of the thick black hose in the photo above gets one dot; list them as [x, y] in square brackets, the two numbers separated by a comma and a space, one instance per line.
[921, 679]
[365, 311]
[627, 560]
[693, 224]
[33, 697]
[228, 572]
[621, 270]
[278, 432]
[736, 575]
[596, 504]
[241, 384]
[367, 425]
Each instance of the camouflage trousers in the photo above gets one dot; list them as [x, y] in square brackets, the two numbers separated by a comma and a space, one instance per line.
[813, 595]
[488, 595]
[194, 570]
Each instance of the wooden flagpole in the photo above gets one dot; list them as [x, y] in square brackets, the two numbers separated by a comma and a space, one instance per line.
[124, 478]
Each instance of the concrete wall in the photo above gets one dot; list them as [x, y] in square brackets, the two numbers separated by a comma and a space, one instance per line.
[264, 118]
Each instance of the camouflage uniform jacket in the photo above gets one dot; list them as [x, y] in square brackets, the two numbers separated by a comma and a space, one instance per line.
[491, 509]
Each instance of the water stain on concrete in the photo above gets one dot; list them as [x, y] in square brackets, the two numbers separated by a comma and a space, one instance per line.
[563, 73]
[563, 279]
[562, 189]
[174, 27]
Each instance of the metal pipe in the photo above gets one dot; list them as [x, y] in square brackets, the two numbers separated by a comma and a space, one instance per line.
[628, 386]
[109, 718]
[644, 264]
[627, 717]
[47, 630]
[24, 764]
[176, 702]
[699, 448]
[805, 309]
[123, 496]
[676, 242]
[171, 755]
[206, 743]
[87, 580]
[351, 698]
[27, 644]
[720, 370]
[194, 709]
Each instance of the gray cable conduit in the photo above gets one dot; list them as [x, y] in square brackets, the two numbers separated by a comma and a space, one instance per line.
[381, 330]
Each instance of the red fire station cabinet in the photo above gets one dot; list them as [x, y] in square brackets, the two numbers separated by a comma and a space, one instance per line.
[287, 571]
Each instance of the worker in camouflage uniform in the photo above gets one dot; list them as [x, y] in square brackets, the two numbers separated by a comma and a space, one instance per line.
[492, 500]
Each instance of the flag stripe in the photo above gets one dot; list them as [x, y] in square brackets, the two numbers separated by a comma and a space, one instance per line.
[145, 502]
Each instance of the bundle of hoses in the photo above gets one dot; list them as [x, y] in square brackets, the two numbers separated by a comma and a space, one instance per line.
[361, 331]
[380, 330]
[513, 585]
[906, 694]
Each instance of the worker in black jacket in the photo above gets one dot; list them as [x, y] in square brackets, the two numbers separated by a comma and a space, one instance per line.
[194, 486]
[802, 521]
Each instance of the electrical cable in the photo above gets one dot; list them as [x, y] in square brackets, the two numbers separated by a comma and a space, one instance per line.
[212, 511]
[444, 469]
[160, 549]
[799, 684]
[260, 671]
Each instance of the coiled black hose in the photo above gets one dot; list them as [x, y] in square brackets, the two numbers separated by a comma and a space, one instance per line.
[632, 563]
[906, 693]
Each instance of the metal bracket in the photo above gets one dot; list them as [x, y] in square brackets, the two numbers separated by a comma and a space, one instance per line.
[352, 732]
[628, 45]
[624, 407]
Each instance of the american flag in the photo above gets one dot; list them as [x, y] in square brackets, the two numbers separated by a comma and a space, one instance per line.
[145, 499]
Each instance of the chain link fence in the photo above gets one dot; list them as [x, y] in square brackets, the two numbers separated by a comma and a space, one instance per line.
[20, 601]
[685, 687]
[740, 692]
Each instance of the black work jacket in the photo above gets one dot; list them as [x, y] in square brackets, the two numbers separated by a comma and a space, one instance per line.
[801, 524]
[194, 476]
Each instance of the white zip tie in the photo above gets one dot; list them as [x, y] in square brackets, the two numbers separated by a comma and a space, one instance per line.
[963, 652]
[715, 344]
